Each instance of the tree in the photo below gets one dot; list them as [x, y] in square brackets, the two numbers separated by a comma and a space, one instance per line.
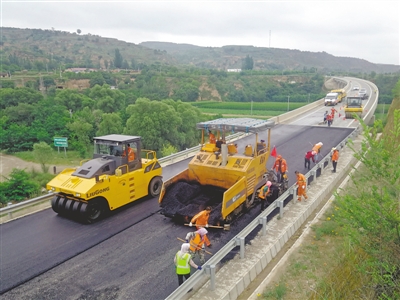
[118, 59]
[80, 136]
[106, 99]
[78, 31]
[17, 187]
[42, 153]
[248, 63]
[155, 121]
[110, 124]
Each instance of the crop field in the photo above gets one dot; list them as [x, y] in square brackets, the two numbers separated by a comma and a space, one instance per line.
[267, 109]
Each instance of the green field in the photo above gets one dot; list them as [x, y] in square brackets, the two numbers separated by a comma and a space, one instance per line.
[264, 109]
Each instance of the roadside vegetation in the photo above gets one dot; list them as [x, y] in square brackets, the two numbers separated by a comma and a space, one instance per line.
[354, 252]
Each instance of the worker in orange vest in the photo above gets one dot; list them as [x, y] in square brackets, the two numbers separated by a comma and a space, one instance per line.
[264, 193]
[131, 153]
[302, 185]
[280, 166]
[201, 220]
[335, 158]
[211, 137]
[196, 240]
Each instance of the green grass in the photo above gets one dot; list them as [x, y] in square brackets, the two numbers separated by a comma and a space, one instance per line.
[71, 158]
[265, 109]
[278, 292]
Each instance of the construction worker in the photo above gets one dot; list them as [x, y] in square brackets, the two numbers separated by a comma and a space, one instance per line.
[307, 159]
[211, 137]
[201, 220]
[280, 166]
[196, 241]
[131, 153]
[333, 110]
[182, 260]
[317, 149]
[302, 185]
[335, 158]
[325, 117]
[264, 193]
[329, 119]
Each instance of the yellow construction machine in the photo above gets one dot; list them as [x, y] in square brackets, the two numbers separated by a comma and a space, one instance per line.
[353, 105]
[218, 176]
[119, 173]
[341, 94]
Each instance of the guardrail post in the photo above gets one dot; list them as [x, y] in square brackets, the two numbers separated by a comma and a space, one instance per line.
[9, 213]
[240, 242]
[280, 205]
[321, 166]
[212, 277]
[293, 192]
[263, 221]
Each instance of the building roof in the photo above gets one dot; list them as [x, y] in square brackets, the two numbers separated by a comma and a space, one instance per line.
[237, 125]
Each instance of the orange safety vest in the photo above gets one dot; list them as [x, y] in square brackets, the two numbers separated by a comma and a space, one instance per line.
[196, 243]
[282, 164]
[262, 194]
[212, 138]
[301, 180]
[131, 154]
[335, 155]
[201, 218]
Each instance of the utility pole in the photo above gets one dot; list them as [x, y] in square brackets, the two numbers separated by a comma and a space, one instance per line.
[269, 39]
[251, 109]
[288, 97]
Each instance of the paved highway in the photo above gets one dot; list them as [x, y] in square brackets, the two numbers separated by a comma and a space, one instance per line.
[128, 255]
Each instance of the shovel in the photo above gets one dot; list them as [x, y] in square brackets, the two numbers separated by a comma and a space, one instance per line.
[225, 227]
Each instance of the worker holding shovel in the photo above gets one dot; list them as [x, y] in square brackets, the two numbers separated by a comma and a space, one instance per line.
[201, 220]
[196, 240]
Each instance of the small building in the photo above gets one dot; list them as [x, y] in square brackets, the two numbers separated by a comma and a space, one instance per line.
[234, 70]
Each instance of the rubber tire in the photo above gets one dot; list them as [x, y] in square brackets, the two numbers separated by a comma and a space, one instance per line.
[94, 211]
[155, 186]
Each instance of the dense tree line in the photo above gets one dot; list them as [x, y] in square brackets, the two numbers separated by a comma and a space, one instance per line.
[27, 117]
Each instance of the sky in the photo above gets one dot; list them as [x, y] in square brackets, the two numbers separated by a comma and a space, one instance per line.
[367, 30]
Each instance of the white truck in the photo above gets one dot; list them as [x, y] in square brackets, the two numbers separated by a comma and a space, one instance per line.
[331, 99]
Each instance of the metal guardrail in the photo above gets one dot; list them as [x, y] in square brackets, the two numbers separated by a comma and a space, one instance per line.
[10, 208]
[239, 240]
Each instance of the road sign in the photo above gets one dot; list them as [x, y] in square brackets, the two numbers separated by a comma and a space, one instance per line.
[61, 142]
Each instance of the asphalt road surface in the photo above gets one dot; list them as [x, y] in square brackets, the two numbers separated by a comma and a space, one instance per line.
[128, 255]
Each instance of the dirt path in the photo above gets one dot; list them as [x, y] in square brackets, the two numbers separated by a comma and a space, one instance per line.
[9, 162]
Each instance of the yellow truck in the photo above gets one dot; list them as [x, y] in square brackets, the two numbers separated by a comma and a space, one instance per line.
[119, 173]
[341, 94]
[218, 176]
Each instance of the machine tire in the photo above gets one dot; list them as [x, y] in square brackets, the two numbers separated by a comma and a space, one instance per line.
[155, 186]
[94, 211]
[54, 203]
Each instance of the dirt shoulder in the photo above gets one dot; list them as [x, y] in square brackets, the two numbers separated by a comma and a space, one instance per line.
[9, 162]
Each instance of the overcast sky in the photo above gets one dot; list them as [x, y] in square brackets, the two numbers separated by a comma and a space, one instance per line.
[368, 30]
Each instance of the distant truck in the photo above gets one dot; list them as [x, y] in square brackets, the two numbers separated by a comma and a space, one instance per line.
[331, 99]
[341, 94]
